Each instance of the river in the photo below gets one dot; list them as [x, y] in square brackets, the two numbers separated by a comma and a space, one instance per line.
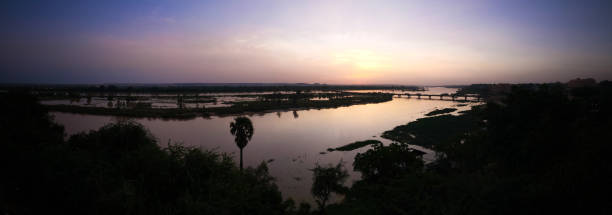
[294, 140]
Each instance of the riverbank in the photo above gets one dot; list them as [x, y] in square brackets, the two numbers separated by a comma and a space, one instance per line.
[263, 104]
[294, 140]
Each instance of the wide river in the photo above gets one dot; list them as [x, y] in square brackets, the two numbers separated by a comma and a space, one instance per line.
[293, 139]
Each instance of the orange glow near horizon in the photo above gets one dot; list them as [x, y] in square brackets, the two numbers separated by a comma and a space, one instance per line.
[362, 60]
[334, 42]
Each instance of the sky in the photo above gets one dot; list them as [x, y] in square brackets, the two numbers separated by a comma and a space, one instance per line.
[429, 42]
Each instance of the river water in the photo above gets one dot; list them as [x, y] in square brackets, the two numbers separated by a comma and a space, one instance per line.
[295, 140]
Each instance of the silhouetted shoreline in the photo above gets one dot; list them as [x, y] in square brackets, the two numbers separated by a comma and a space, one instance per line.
[528, 149]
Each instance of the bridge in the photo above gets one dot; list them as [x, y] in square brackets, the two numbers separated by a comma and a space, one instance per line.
[444, 96]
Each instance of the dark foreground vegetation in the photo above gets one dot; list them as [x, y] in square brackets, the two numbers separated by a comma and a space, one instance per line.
[542, 149]
[431, 131]
[118, 169]
[537, 149]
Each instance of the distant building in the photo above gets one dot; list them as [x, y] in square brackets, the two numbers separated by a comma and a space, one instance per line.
[587, 82]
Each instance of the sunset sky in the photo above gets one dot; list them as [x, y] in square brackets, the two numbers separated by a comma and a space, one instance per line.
[336, 42]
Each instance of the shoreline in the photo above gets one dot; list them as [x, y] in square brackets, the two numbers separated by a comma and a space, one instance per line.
[238, 108]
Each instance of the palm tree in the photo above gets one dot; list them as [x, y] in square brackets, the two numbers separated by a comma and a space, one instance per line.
[242, 129]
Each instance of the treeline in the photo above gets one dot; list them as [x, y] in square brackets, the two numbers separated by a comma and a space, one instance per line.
[538, 150]
[501, 89]
[52, 90]
[301, 101]
[262, 105]
[541, 150]
[119, 169]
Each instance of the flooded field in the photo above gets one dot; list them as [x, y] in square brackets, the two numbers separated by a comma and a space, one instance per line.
[290, 141]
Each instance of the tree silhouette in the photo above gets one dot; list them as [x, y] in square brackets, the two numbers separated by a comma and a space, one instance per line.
[295, 114]
[242, 129]
[328, 180]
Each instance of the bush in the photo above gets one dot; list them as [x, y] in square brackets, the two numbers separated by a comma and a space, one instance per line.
[118, 169]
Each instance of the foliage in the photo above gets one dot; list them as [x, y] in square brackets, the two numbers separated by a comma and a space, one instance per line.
[328, 180]
[387, 161]
[543, 149]
[118, 169]
[242, 129]
[430, 132]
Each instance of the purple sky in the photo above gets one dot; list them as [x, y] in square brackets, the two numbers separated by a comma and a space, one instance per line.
[335, 42]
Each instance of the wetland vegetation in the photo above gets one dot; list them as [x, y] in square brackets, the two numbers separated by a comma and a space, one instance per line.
[538, 150]
[187, 101]
[441, 111]
[118, 169]
[265, 103]
[354, 145]
[532, 150]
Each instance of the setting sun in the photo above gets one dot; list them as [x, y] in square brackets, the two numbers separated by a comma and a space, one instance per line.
[362, 60]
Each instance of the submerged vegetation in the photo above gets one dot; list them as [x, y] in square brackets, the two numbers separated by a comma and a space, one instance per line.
[542, 150]
[76, 90]
[297, 101]
[441, 111]
[169, 113]
[354, 145]
[429, 132]
[534, 149]
[127, 106]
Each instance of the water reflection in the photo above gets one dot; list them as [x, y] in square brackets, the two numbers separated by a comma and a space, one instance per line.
[294, 142]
